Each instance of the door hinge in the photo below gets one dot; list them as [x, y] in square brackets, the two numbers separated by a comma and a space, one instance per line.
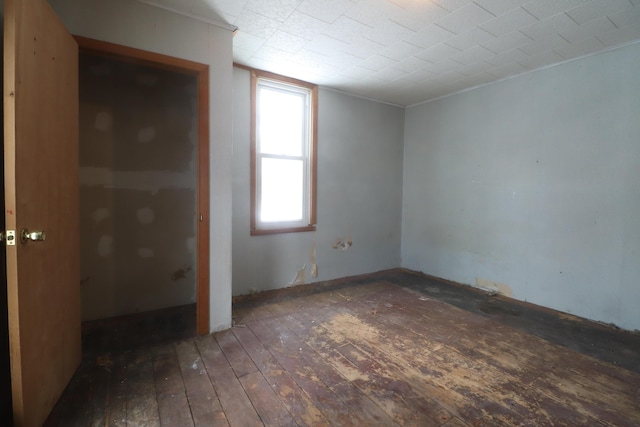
[9, 237]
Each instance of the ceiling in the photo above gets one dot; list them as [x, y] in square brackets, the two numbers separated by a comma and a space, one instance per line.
[405, 52]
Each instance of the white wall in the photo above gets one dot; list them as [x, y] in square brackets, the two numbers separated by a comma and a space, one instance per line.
[138, 25]
[532, 186]
[359, 195]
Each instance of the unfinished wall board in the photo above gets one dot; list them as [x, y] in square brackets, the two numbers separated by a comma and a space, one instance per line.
[138, 154]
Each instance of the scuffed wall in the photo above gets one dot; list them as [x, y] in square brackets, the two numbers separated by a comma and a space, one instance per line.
[359, 197]
[138, 157]
[529, 187]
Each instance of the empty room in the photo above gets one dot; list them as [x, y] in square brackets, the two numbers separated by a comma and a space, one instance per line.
[321, 212]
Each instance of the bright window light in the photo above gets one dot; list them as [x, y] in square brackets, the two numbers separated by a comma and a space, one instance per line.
[282, 122]
[283, 187]
[282, 190]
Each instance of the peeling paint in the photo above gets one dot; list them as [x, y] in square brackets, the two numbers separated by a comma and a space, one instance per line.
[300, 276]
[314, 266]
[500, 288]
[342, 244]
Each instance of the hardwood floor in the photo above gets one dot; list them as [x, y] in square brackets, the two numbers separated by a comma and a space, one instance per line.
[385, 349]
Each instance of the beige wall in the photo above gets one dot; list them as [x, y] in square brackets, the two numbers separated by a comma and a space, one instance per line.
[134, 24]
[138, 156]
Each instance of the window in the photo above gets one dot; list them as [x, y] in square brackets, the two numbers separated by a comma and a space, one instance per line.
[283, 154]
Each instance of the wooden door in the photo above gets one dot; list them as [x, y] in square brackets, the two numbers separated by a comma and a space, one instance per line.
[41, 193]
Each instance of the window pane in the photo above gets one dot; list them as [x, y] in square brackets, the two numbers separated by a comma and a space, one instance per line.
[282, 187]
[281, 122]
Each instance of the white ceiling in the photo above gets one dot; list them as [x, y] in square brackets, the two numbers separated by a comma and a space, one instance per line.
[409, 51]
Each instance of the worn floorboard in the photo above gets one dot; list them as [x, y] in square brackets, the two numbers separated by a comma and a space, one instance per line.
[394, 348]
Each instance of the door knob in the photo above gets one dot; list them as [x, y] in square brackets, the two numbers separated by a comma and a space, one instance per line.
[26, 235]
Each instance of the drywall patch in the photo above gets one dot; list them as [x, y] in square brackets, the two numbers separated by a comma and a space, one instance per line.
[145, 215]
[104, 121]
[145, 253]
[146, 160]
[190, 244]
[300, 275]
[342, 244]
[152, 181]
[147, 134]
[100, 215]
[105, 245]
[490, 286]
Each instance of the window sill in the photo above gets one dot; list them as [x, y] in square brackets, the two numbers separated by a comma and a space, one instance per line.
[265, 231]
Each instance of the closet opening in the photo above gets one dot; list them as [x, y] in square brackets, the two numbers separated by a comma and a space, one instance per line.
[144, 185]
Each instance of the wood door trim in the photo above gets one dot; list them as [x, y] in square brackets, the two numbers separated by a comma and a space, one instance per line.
[202, 305]
[201, 72]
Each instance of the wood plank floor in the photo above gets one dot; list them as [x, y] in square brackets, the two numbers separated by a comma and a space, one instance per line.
[386, 349]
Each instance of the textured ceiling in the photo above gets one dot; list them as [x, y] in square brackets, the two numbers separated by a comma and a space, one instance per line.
[409, 51]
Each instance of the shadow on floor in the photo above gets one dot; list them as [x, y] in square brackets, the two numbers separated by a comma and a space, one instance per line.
[138, 330]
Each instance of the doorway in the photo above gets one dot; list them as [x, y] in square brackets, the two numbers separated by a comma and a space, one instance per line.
[144, 139]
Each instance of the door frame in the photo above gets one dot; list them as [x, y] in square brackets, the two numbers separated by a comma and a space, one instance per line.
[201, 72]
